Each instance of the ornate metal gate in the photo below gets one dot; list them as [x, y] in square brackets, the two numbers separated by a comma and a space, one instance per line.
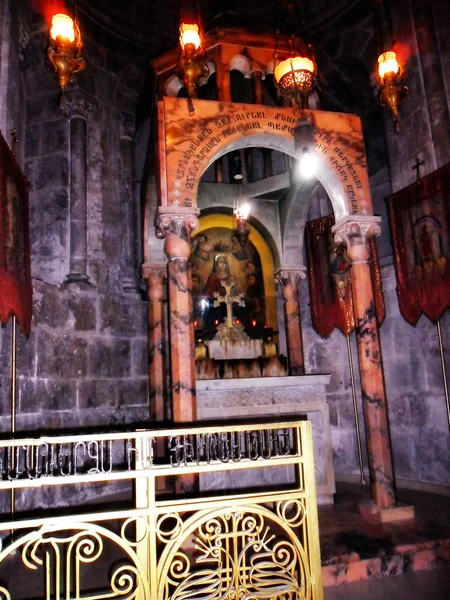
[243, 545]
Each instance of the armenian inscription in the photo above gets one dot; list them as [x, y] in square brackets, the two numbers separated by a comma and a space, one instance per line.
[194, 154]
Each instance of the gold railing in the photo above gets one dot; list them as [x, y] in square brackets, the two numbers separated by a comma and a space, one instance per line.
[238, 545]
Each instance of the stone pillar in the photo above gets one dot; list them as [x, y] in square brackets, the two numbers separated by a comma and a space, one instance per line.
[289, 279]
[433, 80]
[155, 276]
[79, 109]
[218, 165]
[354, 231]
[223, 82]
[130, 280]
[175, 224]
[257, 75]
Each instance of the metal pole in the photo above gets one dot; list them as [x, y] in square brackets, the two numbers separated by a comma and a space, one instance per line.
[355, 409]
[444, 369]
[13, 396]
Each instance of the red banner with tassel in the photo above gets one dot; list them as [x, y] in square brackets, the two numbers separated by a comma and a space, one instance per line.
[419, 216]
[15, 278]
[330, 291]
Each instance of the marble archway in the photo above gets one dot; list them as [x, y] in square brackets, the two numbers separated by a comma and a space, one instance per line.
[189, 144]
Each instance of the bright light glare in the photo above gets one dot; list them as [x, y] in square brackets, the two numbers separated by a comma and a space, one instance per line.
[62, 25]
[204, 304]
[387, 63]
[189, 34]
[307, 165]
[243, 212]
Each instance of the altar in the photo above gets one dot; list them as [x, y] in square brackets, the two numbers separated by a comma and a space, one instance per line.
[297, 397]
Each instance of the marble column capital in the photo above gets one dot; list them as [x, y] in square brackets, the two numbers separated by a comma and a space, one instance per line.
[354, 231]
[289, 279]
[154, 271]
[285, 276]
[77, 103]
[175, 224]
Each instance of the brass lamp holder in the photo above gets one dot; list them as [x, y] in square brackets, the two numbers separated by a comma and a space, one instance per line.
[391, 95]
[65, 58]
[192, 67]
[241, 230]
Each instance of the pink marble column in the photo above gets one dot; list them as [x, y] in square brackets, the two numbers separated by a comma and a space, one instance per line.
[354, 231]
[156, 278]
[175, 224]
[289, 279]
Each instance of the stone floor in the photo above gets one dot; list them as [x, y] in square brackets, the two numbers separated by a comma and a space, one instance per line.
[423, 585]
[354, 549]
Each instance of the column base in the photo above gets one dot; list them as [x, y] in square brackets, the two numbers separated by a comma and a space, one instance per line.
[388, 514]
[77, 279]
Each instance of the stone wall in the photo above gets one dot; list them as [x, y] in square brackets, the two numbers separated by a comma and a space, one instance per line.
[85, 364]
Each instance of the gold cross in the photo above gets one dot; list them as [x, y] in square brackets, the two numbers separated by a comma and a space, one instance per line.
[229, 299]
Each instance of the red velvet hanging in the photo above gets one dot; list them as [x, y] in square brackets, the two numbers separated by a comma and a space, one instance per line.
[420, 227]
[15, 279]
[331, 300]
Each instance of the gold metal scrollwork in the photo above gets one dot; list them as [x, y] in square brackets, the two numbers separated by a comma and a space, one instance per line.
[248, 552]
[62, 552]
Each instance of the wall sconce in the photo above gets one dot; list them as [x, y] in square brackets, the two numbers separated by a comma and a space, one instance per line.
[64, 49]
[392, 90]
[192, 65]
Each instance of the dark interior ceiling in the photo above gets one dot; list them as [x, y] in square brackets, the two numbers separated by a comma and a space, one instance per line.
[153, 25]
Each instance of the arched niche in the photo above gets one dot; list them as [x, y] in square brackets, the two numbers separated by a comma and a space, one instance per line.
[189, 143]
[224, 221]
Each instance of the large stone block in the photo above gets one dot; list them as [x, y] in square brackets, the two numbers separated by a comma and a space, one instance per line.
[121, 315]
[399, 407]
[33, 141]
[345, 451]
[53, 171]
[43, 107]
[432, 457]
[97, 393]
[140, 357]
[51, 307]
[405, 462]
[83, 309]
[110, 358]
[61, 356]
[420, 411]
[54, 394]
[55, 138]
[28, 400]
[133, 393]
